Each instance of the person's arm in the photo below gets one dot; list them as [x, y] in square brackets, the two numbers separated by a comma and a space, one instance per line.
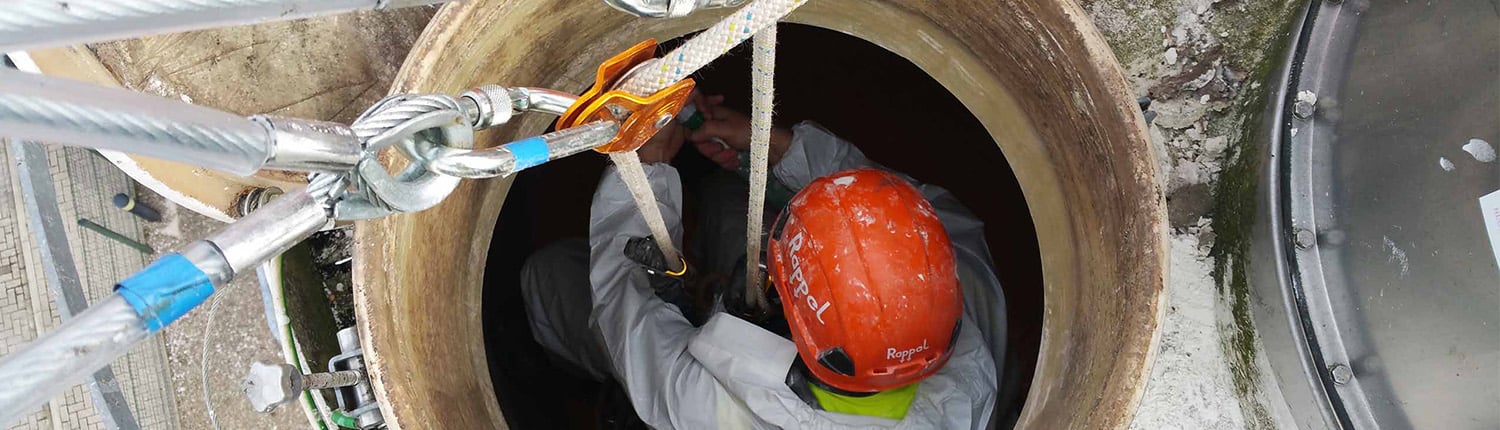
[816, 152]
[646, 338]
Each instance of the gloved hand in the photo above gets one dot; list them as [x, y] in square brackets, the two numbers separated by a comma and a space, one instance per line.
[732, 297]
[643, 251]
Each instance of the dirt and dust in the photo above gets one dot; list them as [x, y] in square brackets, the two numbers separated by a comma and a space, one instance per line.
[332, 255]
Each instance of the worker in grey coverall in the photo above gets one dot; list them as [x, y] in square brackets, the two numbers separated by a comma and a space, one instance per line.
[730, 373]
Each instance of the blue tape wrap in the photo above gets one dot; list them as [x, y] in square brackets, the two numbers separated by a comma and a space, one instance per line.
[166, 290]
[529, 153]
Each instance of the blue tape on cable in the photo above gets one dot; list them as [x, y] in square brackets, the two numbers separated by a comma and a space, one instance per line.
[166, 290]
[529, 153]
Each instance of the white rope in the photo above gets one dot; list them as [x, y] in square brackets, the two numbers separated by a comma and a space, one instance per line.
[710, 44]
[763, 83]
[634, 175]
[676, 65]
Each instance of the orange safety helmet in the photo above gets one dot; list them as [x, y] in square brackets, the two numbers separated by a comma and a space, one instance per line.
[867, 281]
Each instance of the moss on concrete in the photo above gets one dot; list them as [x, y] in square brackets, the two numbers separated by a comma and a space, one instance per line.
[1253, 33]
[1235, 203]
[1245, 36]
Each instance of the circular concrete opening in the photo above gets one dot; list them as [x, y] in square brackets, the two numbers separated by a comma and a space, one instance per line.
[1033, 76]
[888, 107]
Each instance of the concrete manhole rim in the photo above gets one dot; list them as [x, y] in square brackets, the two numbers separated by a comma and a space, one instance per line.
[1064, 119]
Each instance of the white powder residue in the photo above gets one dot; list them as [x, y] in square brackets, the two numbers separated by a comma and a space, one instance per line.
[1191, 381]
[1397, 255]
[1307, 97]
[845, 181]
[862, 215]
[1481, 150]
[1446, 165]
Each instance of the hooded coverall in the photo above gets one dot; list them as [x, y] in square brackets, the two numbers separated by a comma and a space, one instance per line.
[729, 373]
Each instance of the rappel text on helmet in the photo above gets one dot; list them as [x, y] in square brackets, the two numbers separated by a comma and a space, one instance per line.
[905, 354]
[800, 282]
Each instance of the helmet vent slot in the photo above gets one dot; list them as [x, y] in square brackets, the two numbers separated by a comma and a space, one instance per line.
[837, 360]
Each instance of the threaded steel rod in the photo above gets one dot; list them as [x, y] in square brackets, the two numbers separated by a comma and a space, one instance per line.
[322, 381]
[30, 24]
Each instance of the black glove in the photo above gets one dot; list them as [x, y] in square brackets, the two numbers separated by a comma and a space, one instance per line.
[643, 251]
[733, 298]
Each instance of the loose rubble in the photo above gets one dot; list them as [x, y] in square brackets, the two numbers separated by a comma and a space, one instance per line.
[1192, 62]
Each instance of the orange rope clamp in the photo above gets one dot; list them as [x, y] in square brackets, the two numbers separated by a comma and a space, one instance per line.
[639, 117]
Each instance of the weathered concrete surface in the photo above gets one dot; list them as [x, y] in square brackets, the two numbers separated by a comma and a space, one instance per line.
[1204, 65]
[1034, 73]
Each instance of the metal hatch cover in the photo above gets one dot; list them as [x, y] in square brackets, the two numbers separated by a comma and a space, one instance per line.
[1389, 273]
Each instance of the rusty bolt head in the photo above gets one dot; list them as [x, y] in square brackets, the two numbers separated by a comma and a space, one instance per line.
[269, 385]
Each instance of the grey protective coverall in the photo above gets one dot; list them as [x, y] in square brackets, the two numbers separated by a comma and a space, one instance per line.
[729, 373]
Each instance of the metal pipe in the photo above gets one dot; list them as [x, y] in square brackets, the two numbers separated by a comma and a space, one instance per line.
[270, 230]
[30, 24]
[513, 157]
[361, 403]
[310, 146]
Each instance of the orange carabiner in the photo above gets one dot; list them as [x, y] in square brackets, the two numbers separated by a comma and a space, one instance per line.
[640, 117]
